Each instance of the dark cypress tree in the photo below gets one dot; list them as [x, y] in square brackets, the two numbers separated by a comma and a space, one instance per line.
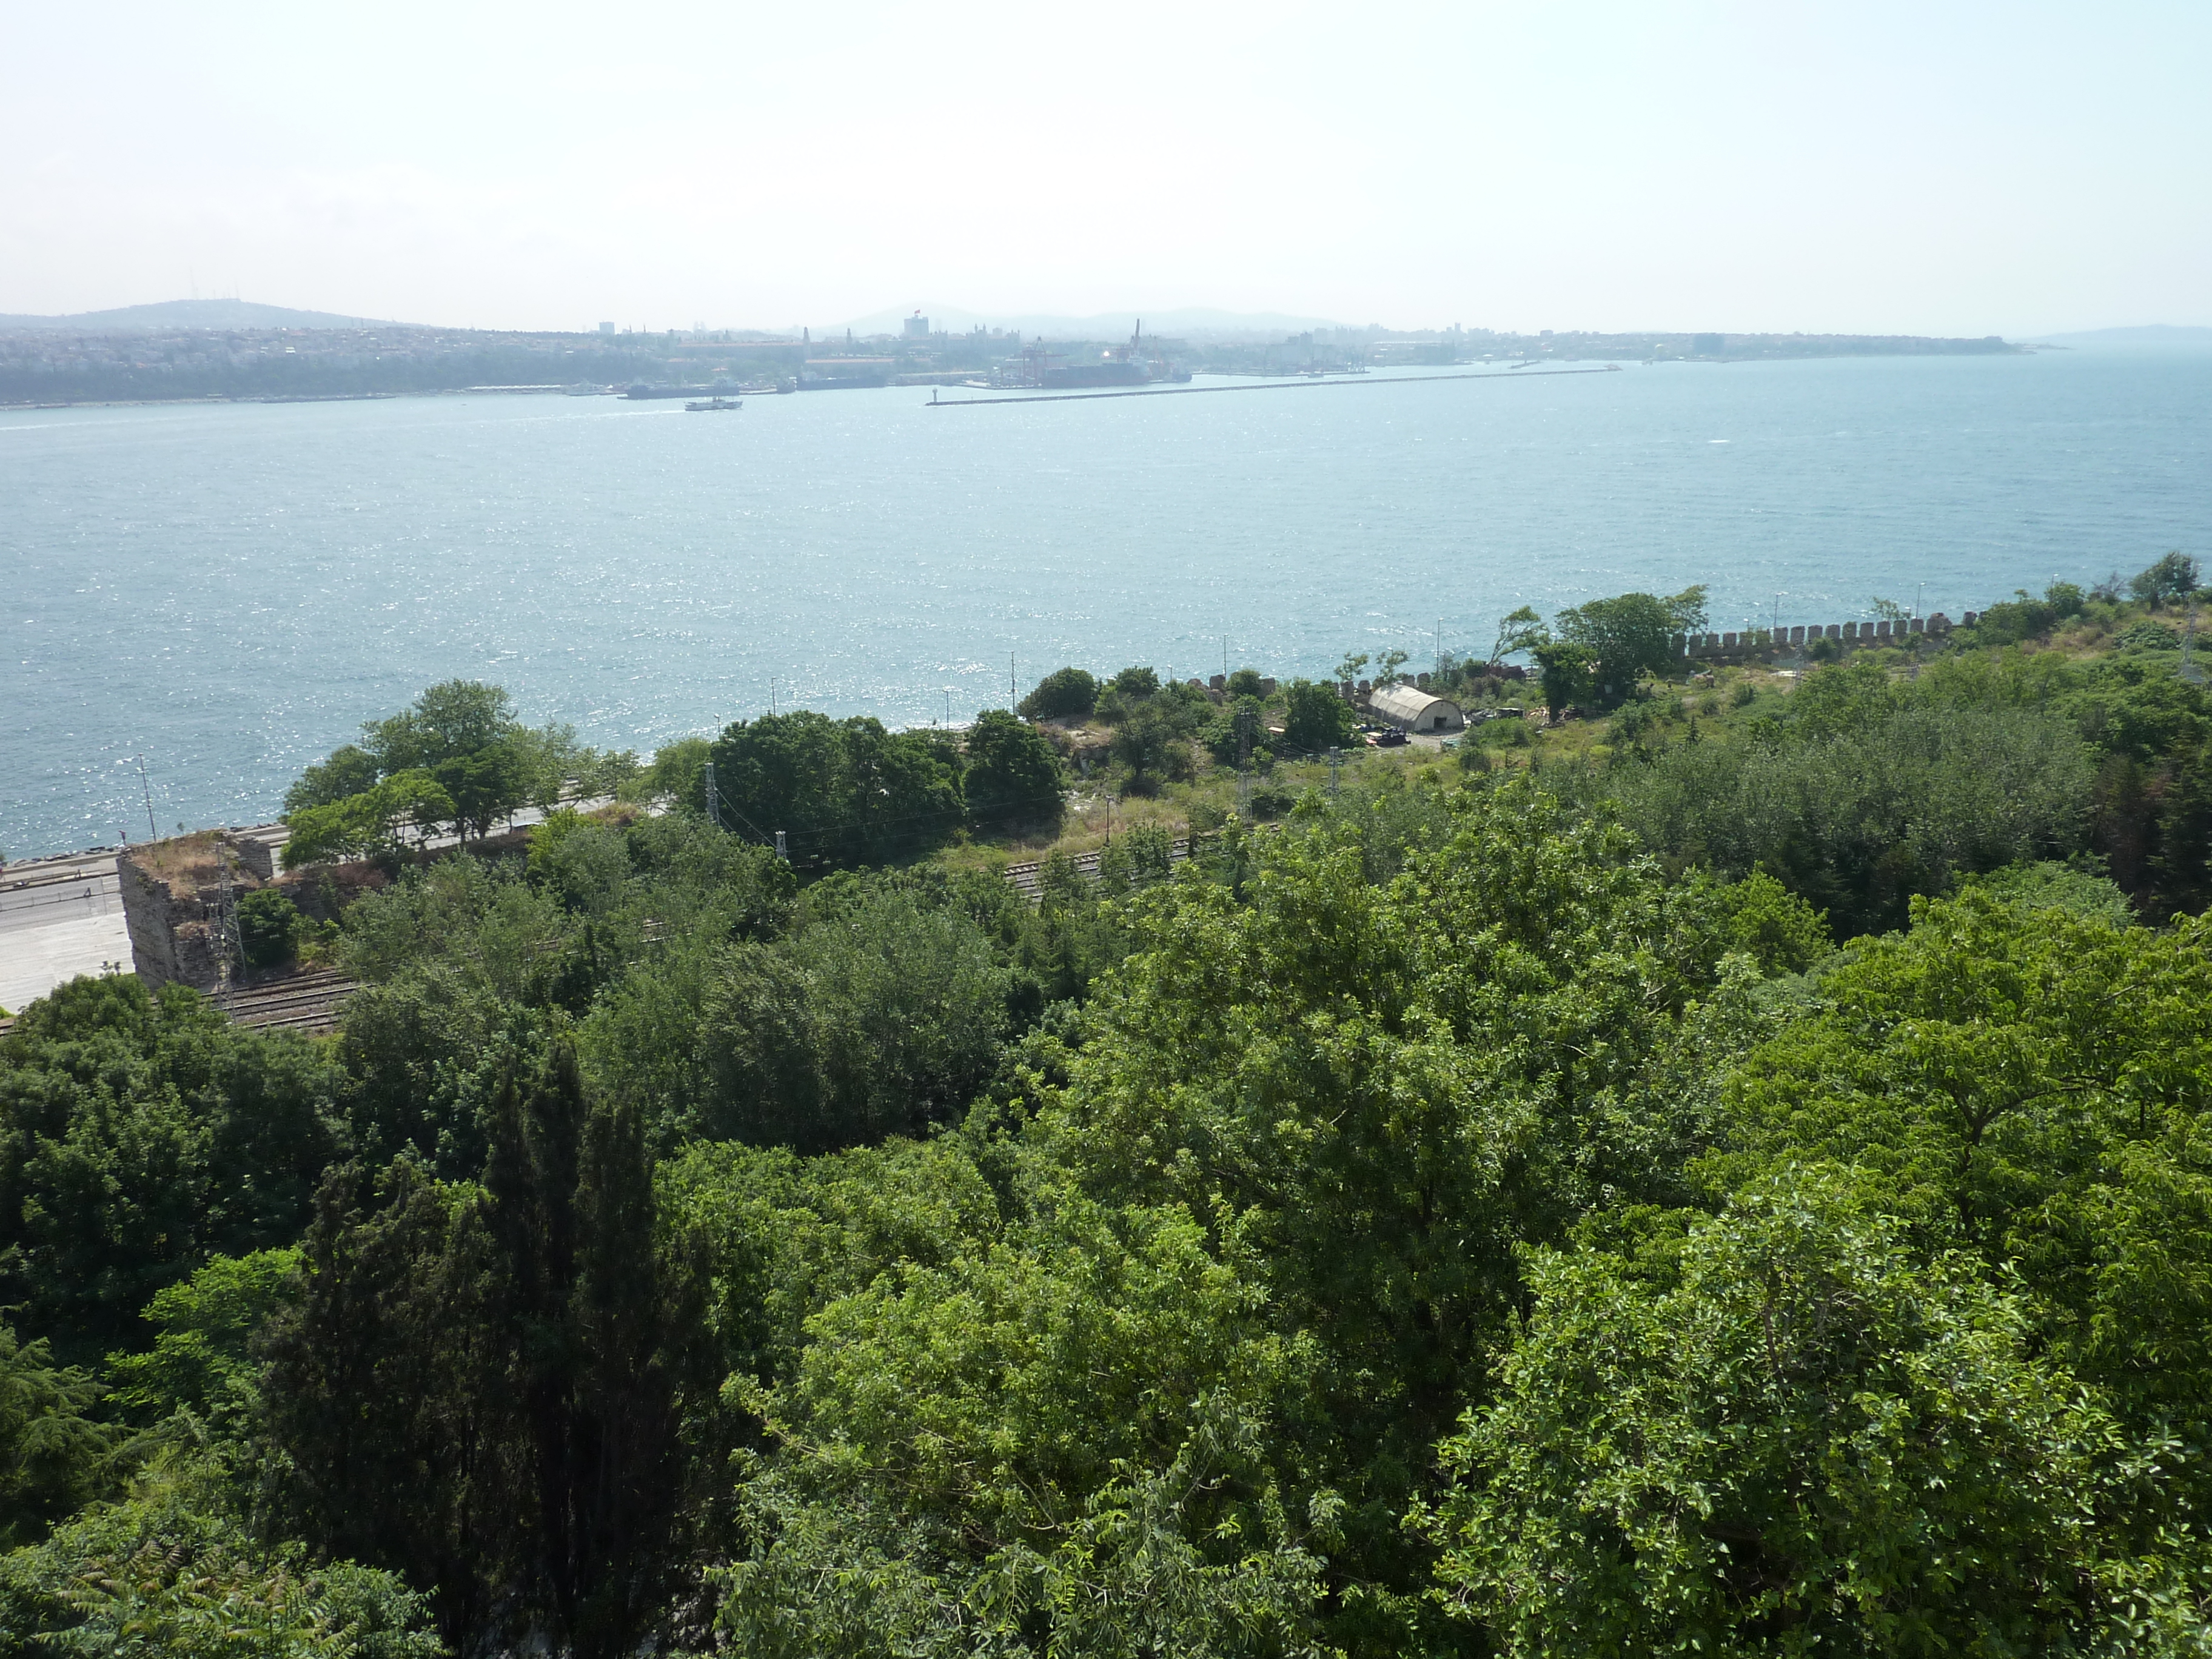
[390, 1388]
[485, 1388]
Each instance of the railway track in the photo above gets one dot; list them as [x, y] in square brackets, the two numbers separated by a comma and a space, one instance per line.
[1028, 879]
[308, 1004]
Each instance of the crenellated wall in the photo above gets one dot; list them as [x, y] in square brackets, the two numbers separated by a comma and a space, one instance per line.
[1760, 641]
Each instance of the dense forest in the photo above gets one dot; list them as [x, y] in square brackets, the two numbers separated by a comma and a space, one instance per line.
[1725, 1172]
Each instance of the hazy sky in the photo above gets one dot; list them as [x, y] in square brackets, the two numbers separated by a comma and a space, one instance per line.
[2010, 168]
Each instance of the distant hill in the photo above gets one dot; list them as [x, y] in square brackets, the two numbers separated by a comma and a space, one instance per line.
[2153, 335]
[1191, 322]
[187, 313]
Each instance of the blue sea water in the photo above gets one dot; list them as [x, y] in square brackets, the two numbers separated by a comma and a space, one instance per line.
[231, 590]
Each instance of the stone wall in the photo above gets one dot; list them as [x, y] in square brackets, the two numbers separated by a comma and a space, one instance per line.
[171, 934]
[1759, 641]
[172, 893]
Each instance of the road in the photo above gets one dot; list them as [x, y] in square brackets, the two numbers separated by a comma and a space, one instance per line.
[59, 917]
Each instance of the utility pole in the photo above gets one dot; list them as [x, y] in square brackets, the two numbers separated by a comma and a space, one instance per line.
[1335, 768]
[1244, 764]
[713, 797]
[1012, 696]
[781, 851]
[226, 932]
[152, 833]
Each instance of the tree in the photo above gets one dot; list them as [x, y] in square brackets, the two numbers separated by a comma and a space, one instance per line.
[1314, 718]
[1060, 1445]
[486, 1387]
[881, 1021]
[457, 756]
[1064, 693]
[139, 1135]
[1783, 1435]
[1354, 662]
[2024, 1083]
[1859, 796]
[603, 1400]
[1135, 685]
[1126, 693]
[1352, 1068]
[51, 1449]
[204, 1365]
[2171, 579]
[1518, 631]
[486, 785]
[450, 720]
[368, 825]
[1631, 636]
[1244, 683]
[1565, 670]
[1153, 745]
[268, 926]
[843, 792]
[349, 770]
[1012, 775]
[391, 1391]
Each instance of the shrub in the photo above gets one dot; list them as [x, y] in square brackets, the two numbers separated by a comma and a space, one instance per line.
[1064, 693]
[268, 928]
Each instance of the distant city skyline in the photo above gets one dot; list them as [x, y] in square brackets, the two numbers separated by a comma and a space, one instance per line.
[2021, 170]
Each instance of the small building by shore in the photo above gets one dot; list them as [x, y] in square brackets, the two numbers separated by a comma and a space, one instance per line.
[1411, 709]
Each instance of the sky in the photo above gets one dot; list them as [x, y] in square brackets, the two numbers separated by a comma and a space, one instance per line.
[1869, 168]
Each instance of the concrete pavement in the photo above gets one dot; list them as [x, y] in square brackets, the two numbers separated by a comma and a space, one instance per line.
[59, 918]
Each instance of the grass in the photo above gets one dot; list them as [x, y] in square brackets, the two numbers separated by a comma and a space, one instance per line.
[182, 861]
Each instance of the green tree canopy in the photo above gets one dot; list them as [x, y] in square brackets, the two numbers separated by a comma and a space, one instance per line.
[1518, 631]
[1631, 636]
[1566, 671]
[139, 1135]
[52, 1450]
[1784, 1435]
[1064, 693]
[1314, 718]
[1012, 775]
[843, 792]
[2172, 577]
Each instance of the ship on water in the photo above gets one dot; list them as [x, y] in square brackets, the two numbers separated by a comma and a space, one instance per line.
[1138, 363]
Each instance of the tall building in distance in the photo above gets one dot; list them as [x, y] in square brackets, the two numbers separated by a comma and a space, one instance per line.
[917, 327]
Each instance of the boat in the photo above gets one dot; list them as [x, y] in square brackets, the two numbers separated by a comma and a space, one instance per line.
[712, 405]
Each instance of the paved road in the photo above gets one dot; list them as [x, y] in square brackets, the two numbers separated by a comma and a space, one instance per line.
[58, 918]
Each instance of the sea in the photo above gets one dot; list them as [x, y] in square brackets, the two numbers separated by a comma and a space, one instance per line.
[220, 594]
